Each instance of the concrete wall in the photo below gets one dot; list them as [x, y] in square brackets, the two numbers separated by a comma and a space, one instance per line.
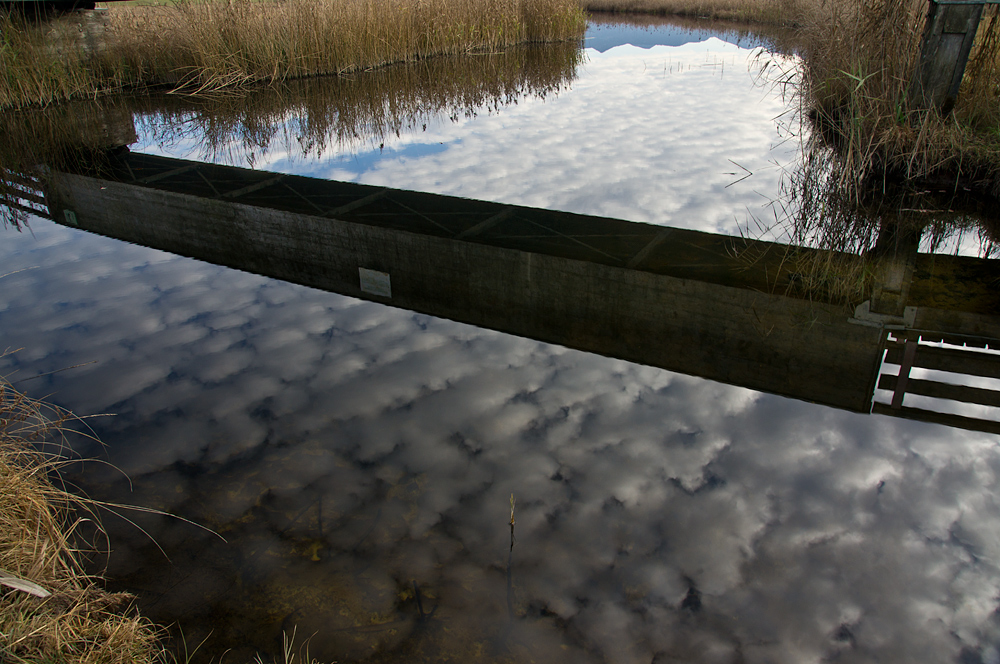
[740, 336]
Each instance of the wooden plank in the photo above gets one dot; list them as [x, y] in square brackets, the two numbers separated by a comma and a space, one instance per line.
[971, 342]
[24, 208]
[947, 419]
[909, 352]
[948, 36]
[28, 196]
[938, 390]
[486, 224]
[967, 362]
[26, 181]
[166, 174]
[644, 253]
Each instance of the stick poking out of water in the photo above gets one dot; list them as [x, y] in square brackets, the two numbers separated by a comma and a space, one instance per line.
[510, 556]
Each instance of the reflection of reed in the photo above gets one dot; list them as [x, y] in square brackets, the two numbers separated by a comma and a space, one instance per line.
[31, 142]
[305, 116]
[312, 115]
[820, 209]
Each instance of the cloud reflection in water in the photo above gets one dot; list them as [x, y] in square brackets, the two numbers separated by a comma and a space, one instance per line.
[659, 516]
[349, 450]
[643, 134]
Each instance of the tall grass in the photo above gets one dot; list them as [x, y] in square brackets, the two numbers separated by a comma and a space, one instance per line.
[50, 610]
[874, 167]
[358, 112]
[860, 60]
[215, 44]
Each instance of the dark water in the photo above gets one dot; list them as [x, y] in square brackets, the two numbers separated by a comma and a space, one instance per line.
[356, 459]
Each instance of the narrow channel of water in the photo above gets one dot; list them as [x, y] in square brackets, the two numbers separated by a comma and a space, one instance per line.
[359, 457]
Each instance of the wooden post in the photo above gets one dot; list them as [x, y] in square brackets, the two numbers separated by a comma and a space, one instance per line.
[896, 250]
[948, 36]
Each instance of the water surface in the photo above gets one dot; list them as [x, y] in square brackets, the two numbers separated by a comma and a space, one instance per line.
[359, 460]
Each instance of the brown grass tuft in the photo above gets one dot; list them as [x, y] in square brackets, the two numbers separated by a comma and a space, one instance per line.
[50, 610]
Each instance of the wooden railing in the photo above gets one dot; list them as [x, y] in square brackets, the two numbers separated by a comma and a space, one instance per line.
[23, 192]
[964, 356]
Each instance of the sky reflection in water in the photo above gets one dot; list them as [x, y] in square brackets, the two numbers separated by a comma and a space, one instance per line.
[663, 135]
[348, 449]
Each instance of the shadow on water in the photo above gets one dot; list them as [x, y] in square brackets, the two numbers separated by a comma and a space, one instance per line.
[328, 539]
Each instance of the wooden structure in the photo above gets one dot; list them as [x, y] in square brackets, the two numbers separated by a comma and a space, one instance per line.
[944, 51]
[681, 300]
[962, 356]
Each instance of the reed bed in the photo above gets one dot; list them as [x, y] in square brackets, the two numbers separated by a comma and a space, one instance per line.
[859, 231]
[874, 167]
[50, 609]
[860, 59]
[217, 44]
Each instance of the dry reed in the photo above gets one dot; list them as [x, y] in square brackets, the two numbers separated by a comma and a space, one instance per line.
[860, 60]
[858, 231]
[216, 44]
[50, 610]
[874, 167]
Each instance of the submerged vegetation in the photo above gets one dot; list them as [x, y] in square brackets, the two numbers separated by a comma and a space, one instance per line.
[50, 609]
[218, 44]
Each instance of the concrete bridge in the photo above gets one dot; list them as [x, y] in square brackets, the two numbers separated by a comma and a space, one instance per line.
[714, 306]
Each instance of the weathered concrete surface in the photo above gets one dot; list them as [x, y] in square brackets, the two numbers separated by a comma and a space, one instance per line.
[76, 32]
[541, 286]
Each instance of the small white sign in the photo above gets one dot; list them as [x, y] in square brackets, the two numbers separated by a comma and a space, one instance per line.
[375, 283]
[70, 217]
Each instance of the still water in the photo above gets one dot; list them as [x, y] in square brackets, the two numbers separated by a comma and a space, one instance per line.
[397, 486]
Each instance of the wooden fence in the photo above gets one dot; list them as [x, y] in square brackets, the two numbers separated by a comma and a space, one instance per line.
[962, 357]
